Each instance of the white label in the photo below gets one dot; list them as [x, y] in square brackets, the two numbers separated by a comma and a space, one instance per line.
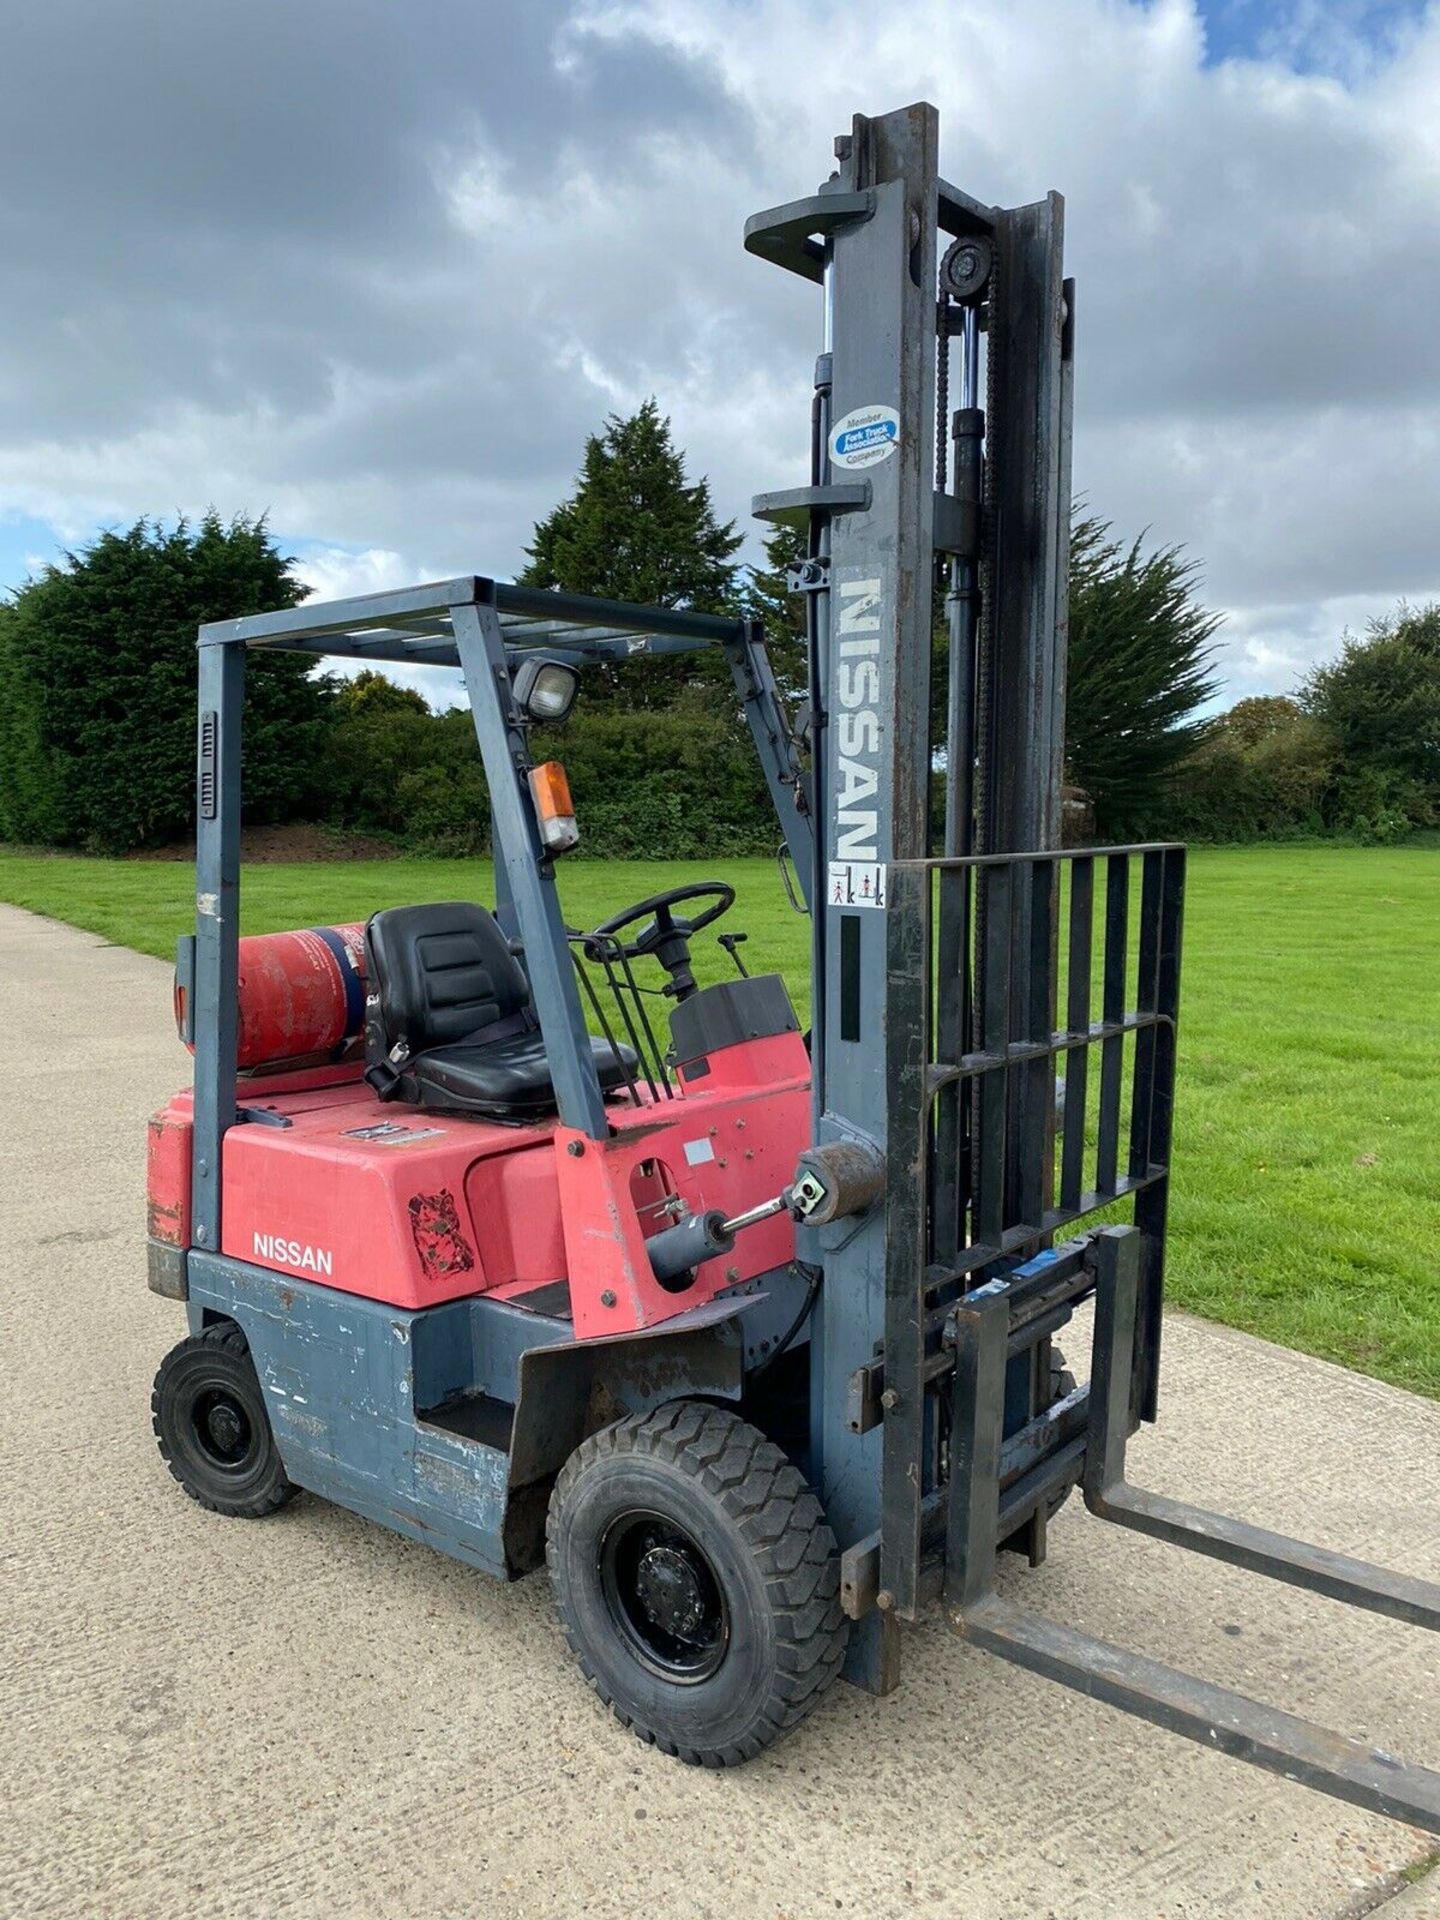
[863, 437]
[391, 1133]
[855, 710]
[697, 1152]
[293, 1253]
[856, 883]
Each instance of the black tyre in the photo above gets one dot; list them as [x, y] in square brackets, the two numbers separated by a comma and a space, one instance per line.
[214, 1433]
[697, 1581]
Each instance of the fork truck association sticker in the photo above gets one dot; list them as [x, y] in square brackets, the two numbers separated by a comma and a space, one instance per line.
[864, 437]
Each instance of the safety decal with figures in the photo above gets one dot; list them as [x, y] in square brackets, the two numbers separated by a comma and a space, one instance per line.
[856, 883]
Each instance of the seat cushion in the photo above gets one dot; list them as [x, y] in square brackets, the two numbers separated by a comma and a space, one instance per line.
[507, 1077]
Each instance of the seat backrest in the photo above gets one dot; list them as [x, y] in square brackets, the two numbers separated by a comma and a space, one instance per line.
[442, 973]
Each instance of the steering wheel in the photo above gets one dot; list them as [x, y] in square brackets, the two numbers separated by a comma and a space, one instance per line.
[666, 937]
[662, 906]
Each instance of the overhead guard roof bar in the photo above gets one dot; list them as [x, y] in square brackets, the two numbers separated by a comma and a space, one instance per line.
[414, 625]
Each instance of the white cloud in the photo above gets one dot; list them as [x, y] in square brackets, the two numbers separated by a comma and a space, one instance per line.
[390, 321]
[335, 573]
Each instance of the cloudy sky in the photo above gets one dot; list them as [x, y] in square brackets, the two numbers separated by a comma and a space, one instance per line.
[376, 268]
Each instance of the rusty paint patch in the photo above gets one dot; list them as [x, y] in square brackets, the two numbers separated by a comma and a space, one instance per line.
[618, 1142]
[163, 1223]
[306, 1422]
[443, 1476]
[439, 1238]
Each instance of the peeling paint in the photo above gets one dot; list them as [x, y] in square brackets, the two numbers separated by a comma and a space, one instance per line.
[304, 1422]
[439, 1238]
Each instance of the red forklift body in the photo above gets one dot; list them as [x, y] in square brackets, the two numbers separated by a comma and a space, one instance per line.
[325, 1183]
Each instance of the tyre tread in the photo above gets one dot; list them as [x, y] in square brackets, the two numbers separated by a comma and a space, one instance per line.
[764, 1494]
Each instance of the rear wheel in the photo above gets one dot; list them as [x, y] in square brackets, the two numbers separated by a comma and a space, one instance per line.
[214, 1433]
[697, 1581]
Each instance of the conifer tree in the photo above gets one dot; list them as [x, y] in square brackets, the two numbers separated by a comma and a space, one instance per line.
[637, 529]
[1141, 668]
[98, 671]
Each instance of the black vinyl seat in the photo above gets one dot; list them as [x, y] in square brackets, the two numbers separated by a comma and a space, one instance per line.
[448, 1020]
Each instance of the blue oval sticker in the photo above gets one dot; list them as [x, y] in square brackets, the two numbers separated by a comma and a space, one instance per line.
[864, 436]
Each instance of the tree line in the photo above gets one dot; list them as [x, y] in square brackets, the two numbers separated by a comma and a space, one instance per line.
[97, 694]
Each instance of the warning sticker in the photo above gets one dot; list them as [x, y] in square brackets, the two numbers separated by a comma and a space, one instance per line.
[863, 437]
[391, 1133]
[856, 883]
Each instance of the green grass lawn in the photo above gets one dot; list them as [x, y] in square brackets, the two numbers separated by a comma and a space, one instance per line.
[1307, 1192]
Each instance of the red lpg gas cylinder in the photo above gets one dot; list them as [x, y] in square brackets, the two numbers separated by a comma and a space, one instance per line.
[302, 995]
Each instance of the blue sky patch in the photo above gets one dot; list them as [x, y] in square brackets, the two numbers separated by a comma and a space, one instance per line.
[1339, 37]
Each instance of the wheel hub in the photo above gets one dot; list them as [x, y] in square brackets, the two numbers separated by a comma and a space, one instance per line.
[668, 1586]
[664, 1596]
[221, 1429]
[224, 1426]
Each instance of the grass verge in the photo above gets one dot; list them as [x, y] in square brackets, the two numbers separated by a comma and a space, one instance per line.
[1306, 1205]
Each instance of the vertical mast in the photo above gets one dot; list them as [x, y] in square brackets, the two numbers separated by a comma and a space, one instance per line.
[869, 238]
[873, 781]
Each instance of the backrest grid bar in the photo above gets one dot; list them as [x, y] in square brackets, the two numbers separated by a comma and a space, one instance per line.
[1035, 1105]
[998, 921]
[1077, 1020]
[1147, 987]
[950, 1170]
[1112, 1054]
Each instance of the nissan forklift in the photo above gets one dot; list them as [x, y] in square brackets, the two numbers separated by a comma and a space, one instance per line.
[556, 1245]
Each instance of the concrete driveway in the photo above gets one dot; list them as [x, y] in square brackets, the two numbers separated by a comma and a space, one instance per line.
[309, 1716]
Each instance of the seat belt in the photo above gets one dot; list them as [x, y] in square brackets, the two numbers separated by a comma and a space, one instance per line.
[385, 1076]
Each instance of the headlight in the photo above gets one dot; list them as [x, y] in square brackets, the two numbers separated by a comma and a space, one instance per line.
[545, 688]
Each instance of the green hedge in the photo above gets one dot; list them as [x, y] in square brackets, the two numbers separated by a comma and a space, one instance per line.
[674, 785]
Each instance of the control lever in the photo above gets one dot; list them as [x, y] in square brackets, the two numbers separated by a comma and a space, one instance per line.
[705, 1236]
[832, 1181]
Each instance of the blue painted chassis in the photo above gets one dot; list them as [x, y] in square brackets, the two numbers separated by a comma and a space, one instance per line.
[447, 1424]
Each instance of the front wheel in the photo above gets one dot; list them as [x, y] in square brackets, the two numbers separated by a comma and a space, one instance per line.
[697, 1581]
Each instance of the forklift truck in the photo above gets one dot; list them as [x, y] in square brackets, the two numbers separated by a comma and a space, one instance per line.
[749, 1334]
